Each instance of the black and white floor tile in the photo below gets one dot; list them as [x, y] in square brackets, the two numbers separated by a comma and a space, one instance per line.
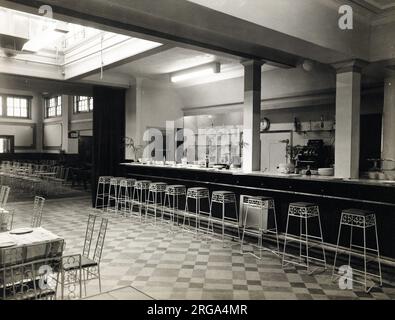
[145, 261]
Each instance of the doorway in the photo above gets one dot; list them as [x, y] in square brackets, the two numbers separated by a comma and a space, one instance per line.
[85, 149]
[274, 149]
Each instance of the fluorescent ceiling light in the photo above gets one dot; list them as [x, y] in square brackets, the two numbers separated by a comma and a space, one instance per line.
[196, 72]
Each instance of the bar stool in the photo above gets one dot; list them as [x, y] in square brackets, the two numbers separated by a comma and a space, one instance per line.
[198, 195]
[140, 193]
[224, 198]
[124, 193]
[113, 194]
[304, 211]
[155, 192]
[171, 201]
[362, 220]
[259, 226]
[102, 192]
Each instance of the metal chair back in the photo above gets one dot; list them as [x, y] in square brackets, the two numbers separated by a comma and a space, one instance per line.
[100, 240]
[22, 277]
[37, 212]
[4, 192]
[89, 235]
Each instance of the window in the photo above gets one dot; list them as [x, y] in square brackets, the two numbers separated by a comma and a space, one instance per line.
[1, 105]
[83, 104]
[17, 107]
[53, 107]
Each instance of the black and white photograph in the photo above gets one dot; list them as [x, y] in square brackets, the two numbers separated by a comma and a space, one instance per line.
[197, 156]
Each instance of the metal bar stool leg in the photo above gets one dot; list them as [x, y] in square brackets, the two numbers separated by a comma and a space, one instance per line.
[307, 243]
[322, 239]
[244, 230]
[365, 257]
[378, 251]
[285, 241]
[337, 249]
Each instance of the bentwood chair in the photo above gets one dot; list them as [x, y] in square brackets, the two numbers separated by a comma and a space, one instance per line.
[37, 212]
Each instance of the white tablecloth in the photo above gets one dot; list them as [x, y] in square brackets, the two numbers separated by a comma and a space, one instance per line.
[38, 244]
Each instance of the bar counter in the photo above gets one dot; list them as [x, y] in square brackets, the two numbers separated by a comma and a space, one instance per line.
[330, 193]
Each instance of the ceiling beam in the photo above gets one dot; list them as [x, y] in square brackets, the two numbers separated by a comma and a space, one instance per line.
[78, 71]
[172, 20]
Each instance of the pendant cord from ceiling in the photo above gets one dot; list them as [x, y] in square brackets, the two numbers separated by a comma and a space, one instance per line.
[101, 56]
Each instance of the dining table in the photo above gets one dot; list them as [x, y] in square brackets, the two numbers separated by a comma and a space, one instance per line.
[24, 245]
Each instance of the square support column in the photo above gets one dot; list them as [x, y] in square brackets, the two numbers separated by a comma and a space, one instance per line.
[348, 113]
[252, 115]
[388, 152]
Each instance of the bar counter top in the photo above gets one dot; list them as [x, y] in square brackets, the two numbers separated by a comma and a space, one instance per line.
[240, 172]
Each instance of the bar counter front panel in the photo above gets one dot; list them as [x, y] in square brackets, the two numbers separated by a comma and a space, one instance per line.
[332, 195]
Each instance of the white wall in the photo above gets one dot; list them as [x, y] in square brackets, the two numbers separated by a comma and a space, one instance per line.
[286, 94]
[27, 132]
[277, 83]
[149, 104]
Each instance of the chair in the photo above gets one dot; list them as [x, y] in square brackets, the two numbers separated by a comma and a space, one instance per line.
[71, 277]
[6, 220]
[25, 281]
[24, 278]
[4, 192]
[61, 179]
[37, 212]
[90, 266]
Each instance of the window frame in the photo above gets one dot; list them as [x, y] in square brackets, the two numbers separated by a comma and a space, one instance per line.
[47, 107]
[76, 100]
[4, 109]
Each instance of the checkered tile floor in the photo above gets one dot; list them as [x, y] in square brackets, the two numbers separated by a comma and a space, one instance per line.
[165, 265]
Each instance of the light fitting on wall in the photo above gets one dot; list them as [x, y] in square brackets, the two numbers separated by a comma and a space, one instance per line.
[196, 72]
[308, 65]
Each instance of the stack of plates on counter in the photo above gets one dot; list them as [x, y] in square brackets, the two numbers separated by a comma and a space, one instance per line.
[326, 172]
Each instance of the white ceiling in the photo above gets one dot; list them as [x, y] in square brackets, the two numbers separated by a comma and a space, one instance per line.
[161, 65]
[170, 61]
